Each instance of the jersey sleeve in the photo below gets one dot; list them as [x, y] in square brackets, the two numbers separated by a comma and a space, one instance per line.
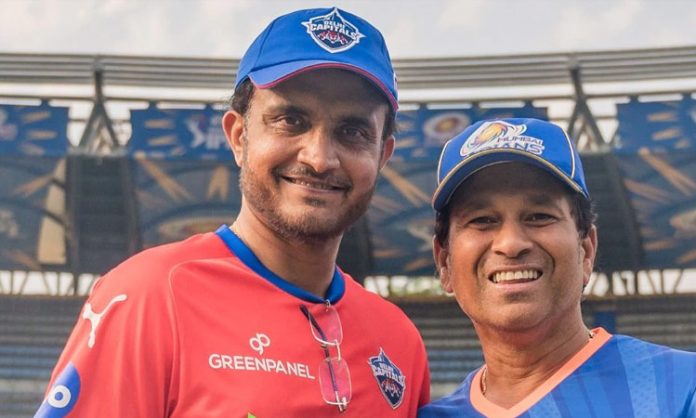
[424, 397]
[119, 358]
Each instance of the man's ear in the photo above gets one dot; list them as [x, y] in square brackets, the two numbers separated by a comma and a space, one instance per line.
[441, 255]
[233, 126]
[589, 246]
[387, 150]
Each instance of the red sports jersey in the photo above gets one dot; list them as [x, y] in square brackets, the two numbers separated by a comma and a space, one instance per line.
[201, 328]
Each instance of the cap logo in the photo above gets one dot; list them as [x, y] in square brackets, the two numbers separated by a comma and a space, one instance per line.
[332, 32]
[499, 134]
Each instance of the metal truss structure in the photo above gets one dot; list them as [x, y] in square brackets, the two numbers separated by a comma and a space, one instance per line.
[579, 88]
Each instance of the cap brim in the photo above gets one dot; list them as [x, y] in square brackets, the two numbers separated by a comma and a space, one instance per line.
[480, 160]
[271, 76]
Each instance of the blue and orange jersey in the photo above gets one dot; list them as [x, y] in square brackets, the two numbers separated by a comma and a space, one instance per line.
[612, 376]
[201, 328]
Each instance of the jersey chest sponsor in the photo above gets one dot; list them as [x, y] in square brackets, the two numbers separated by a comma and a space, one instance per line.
[261, 362]
[221, 361]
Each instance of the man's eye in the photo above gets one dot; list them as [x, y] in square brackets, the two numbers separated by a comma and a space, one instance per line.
[541, 217]
[353, 132]
[483, 220]
[291, 120]
[289, 124]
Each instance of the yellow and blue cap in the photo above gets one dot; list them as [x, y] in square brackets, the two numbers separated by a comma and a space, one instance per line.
[488, 142]
[318, 38]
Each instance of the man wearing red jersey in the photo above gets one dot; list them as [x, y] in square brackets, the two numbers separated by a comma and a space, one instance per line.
[255, 319]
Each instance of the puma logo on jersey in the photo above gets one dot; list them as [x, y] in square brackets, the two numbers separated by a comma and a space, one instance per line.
[95, 318]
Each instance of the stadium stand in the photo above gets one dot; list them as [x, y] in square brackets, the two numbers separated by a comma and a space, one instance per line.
[162, 173]
[33, 330]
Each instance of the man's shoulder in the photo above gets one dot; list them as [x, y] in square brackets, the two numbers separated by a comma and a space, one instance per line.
[627, 342]
[376, 303]
[151, 267]
[636, 352]
[455, 404]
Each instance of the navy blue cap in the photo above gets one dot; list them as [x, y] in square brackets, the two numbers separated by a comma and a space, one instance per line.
[318, 38]
[489, 142]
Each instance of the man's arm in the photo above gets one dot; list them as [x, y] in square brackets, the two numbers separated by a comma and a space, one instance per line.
[118, 359]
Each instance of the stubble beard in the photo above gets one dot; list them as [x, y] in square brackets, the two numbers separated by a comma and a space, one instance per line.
[303, 228]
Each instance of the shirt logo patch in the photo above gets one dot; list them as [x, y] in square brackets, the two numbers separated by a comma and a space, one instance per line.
[95, 318]
[63, 395]
[332, 32]
[259, 342]
[499, 134]
[390, 380]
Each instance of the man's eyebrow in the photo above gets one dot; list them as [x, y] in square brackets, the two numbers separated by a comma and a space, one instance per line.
[476, 203]
[286, 108]
[357, 120]
[542, 199]
[537, 199]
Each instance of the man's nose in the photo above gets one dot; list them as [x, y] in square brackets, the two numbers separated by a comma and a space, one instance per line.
[511, 240]
[319, 151]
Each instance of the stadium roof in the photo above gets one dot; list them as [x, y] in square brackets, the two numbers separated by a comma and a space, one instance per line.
[480, 71]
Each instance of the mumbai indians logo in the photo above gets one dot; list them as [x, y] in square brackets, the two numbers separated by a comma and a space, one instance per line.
[389, 378]
[499, 134]
[332, 32]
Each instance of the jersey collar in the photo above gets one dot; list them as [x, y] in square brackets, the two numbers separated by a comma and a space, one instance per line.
[333, 294]
[488, 408]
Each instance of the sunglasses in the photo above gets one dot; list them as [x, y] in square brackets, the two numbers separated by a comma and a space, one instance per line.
[333, 373]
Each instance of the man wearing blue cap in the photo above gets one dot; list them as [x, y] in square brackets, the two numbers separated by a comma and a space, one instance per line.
[515, 241]
[256, 319]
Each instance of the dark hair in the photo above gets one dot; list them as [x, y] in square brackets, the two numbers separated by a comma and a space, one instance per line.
[240, 100]
[582, 210]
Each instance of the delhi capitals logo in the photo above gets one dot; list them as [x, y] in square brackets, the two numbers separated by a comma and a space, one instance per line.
[389, 378]
[332, 32]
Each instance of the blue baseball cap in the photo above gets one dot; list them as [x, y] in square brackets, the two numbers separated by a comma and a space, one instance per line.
[488, 142]
[318, 38]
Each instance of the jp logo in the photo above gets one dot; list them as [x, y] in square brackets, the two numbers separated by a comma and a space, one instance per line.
[63, 395]
[259, 342]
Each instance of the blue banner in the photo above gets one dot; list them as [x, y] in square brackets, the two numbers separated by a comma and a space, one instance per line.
[662, 190]
[659, 126]
[32, 212]
[33, 130]
[401, 219]
[178, 133]
[177, 199]
[422, 132]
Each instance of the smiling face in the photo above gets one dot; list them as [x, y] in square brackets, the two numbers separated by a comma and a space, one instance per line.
[310, 150]
[514, 257]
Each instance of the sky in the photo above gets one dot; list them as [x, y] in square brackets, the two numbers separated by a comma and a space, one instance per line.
[413, 28]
